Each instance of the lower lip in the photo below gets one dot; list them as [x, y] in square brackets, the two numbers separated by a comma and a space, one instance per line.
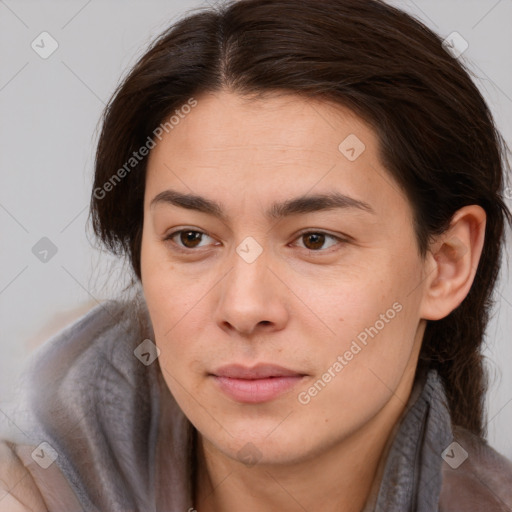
[256, 390]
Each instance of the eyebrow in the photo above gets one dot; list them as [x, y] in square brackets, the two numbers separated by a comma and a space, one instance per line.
[295, 206]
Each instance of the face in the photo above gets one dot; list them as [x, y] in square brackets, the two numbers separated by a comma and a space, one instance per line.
[297, 249]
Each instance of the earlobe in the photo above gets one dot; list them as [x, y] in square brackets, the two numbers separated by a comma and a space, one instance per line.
[454, 255]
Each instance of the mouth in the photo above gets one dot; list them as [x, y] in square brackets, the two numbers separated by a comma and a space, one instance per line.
[261, 383]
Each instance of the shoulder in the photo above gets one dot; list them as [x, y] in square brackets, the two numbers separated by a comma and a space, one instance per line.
[89, 352]
[87, 394]
[101, 327]
[475, 476]
[29, 485]
[18, 490]
[90, 362]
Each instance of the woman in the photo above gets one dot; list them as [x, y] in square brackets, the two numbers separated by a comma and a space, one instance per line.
[310, 198]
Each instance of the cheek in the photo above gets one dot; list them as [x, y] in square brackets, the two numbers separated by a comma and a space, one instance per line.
[363, 367]
[165, 301]
[178, 316]
[373, 322]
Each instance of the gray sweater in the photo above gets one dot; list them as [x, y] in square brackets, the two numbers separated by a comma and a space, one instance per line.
[95, 429]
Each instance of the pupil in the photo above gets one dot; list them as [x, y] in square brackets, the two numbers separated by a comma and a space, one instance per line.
[316, 239]
[190, 237]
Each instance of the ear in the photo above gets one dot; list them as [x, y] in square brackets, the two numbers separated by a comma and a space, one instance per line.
[452, 262]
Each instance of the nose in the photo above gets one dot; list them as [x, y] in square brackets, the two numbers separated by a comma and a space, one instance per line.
[252, 298]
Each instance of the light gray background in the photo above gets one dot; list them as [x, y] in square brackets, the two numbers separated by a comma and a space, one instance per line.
[49, 116]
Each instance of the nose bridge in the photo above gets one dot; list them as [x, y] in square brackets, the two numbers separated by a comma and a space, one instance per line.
[249, 273]
[249, 294]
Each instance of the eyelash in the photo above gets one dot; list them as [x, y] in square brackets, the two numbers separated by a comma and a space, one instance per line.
[170, 236]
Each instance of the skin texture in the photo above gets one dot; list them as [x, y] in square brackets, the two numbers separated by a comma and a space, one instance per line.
[300, 304]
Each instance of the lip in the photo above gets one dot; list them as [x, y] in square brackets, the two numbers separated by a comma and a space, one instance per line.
[259, 383]
[259, 371]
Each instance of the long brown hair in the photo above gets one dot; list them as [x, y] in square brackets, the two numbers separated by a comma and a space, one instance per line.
[437, 136]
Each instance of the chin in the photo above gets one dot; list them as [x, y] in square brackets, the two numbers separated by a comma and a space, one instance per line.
[261, 443]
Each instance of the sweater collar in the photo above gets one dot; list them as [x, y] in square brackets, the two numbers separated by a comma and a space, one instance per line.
[409, 474]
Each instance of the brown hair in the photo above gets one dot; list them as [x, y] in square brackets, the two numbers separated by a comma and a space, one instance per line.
[437, 136]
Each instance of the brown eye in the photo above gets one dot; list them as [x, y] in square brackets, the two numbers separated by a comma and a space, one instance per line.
[190, 239]
[318, 241]
[313, 241]
[185, 239]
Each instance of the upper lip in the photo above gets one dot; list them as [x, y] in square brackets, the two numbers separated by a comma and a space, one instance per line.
[259, 371]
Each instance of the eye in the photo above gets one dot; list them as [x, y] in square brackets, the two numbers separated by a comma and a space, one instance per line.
[187, 238]
[315, 240]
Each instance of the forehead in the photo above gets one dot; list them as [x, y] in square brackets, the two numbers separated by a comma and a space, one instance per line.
[277, 146]
[276, 123]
